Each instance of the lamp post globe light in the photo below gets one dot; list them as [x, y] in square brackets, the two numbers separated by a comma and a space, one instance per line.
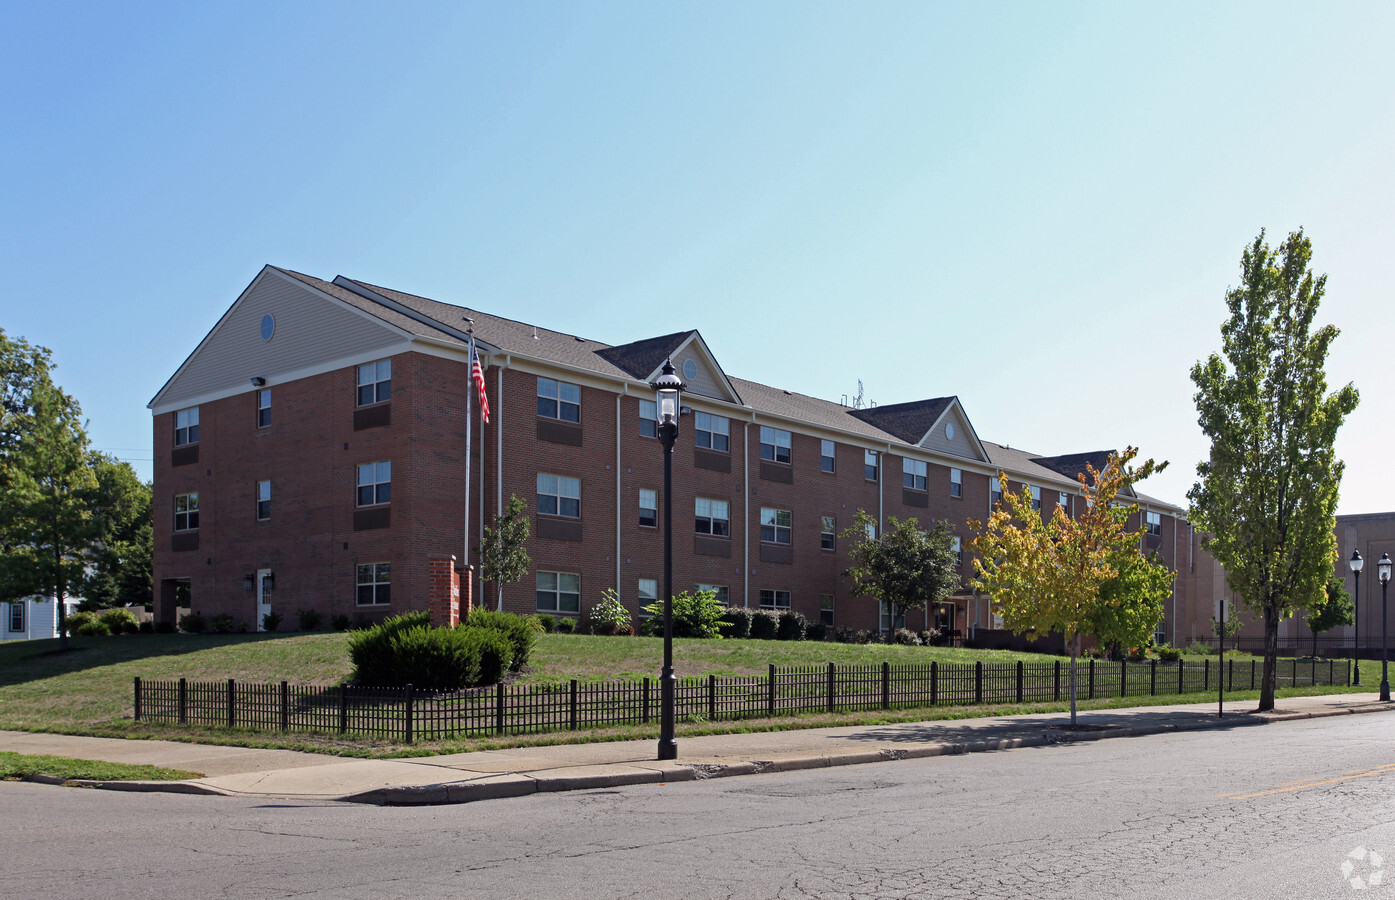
[669, 388]
[1383, 573]
[1356, 562]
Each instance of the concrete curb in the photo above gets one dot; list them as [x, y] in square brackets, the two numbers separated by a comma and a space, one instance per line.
[137, 787]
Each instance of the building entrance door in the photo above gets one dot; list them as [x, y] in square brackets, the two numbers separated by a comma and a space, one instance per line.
[264, 583]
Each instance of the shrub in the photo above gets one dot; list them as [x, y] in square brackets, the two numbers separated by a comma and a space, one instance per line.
[1169, 653]
[77, 620]
[817, 631]
[933, 637]
[765, 625]
[493, 649]
[521, 631]
[221, 624]
[119, 621]
[92, 628]
[609, 615]
[548, 621]
[565, 625]
[147, 627]
[339, 622]
[791, 626]
[736, 622]
[695, 615]
[905, 637]
[1200, 648]
[271, 621]
[163, 627]
[309, 619]
[192, 623]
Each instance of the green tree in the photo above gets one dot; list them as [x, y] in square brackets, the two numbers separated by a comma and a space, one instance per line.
[503, 559]
[1335, 608]
[1072, 575]
[1265, 498]
[907, 567]
[1226, 630]
[120, 569]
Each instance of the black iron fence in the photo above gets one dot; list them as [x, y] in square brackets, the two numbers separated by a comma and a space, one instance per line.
[408, 715]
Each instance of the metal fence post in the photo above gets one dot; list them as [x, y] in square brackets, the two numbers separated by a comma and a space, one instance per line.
[978, 681]
[1230, 677]
[934, 682]
[285, 706]
[499, 708]
[1091, 694]
[711, 698]
[1153, 678]
[137, 717]
[1123, 678]
[1056, 682]
[343, 708]
[770, 692]
[1019, 681]
[1253, 662]
[183, 701]
[1206, 674]
[232, 716]
[831, 679]
[408, 723]
[571, 719]
[1181, 676]
[886, 685]
[644, 701]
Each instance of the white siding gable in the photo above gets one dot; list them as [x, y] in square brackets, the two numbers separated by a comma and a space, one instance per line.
[963, 443]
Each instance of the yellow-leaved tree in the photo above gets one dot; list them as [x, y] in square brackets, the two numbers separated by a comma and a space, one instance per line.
[1076, 575]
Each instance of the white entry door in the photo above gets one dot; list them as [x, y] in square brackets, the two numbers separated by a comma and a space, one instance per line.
[263, 598]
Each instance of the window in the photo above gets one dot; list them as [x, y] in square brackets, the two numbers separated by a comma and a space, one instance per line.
[263, 407]
[1154, 523]
[648, 508]
[186, 426]
[186, 512]
[956, 544]
[263, 500]
[956, 482]
[647, 589]
[712, 517]
[375, 382]
[774, 599]
[375, 483]
[374, 584]
[775, 526]
[559, 400]
[869, 465]
[774, 444]
[559, 592]
[995, 491]
[559, 495]
[886, 621]
[1063, 501]
[913, 472]
[712, 432]
[828, 539]
[827, 454]
[720, 590]
[16, 616]
[871, 531]
[648, 418]
[1036, 497]
[826, 609]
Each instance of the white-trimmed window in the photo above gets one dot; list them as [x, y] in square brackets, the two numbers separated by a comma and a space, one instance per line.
[720, 590]
[16, 617]
[775, 526]
[1063, 501]
[559, 495]
[713, 517]
[826, 609]
[559, 592]
[1036, 496]
[186, 426]
[828, 454]
[186, 512]
[956, 543]
[648, 508]
[956, 482]
[774, 599]
[264, 407]
[648, 418]
[374, 584]
[913, 474]
[870, 461]
[559, 400]
[870, 529]
[1154, 522]
[886, 622]
[375, 382]
[774, 444]
[828, 534]
[263, 500]
[647, 590]
[375, 483]
[995, 491]
[712, 432]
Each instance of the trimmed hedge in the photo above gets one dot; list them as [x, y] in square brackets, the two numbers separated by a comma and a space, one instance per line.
[736, 622]
[765, 624]
[791, 627]
[522, 632]
[405, 649]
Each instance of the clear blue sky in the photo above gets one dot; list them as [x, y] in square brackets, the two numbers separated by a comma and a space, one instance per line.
[1037, 207]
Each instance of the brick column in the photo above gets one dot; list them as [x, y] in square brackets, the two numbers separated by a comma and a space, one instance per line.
[443, 591]
[467, 592]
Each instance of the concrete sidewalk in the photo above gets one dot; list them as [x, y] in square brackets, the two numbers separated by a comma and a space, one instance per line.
[490, 774]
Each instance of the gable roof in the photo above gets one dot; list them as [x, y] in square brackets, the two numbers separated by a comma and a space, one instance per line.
[641, 358]
[909, 422]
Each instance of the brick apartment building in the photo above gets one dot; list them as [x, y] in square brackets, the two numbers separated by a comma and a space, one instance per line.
[310, 454]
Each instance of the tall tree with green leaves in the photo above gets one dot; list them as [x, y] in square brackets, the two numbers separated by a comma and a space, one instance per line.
[120, 566]
[1076, 575]
[503, 559]
[906, 568]
[1335, 608]
[1265, 499]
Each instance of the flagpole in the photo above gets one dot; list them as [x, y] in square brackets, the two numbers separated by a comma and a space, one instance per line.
[469, 419]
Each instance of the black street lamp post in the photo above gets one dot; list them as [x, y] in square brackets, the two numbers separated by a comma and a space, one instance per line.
[1383, 572]
[669, 388]
[1356, 562]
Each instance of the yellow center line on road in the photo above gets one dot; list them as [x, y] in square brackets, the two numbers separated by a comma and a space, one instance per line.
[1388, 769]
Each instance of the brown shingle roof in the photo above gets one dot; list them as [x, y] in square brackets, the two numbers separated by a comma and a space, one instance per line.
[641, 358]
[908, 421]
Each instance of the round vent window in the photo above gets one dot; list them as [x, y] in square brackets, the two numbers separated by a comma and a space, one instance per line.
[949, 431]
[268, 326]
[689, 369]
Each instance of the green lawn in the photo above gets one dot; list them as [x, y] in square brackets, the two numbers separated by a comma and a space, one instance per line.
[16, 766]
[88, 690]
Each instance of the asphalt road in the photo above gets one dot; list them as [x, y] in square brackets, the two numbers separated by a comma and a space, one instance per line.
[1273, 811]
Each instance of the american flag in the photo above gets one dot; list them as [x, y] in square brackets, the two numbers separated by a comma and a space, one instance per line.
[477, 376]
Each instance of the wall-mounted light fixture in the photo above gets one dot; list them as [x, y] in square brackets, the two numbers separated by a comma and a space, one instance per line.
[258, 381]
